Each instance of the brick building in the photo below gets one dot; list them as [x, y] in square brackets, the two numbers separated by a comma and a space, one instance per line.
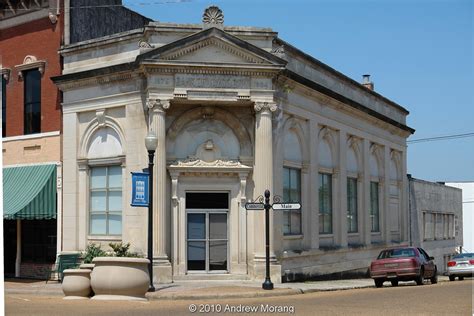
[30, 36]
[31, 33]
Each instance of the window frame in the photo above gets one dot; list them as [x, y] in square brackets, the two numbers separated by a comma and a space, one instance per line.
[351, 214]
[374, 214]
[298, 212]
[32, 105]
[107, 189]
[329, 212]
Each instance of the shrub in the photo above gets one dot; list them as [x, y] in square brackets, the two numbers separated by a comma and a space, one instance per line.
[93, 251]
[122, 250]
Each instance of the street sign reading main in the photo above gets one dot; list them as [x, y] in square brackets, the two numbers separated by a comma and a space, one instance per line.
[286, 206]
[254, 206]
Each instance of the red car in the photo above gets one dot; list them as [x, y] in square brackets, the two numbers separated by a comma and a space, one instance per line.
[403, 264]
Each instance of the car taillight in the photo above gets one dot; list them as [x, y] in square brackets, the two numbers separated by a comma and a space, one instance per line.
[451, 263]
[471, 261]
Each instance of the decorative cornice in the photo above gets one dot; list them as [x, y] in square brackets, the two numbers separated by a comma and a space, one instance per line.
[30, 62]
[219, 163]
[216, 42]
[6, 74]
[265, 106]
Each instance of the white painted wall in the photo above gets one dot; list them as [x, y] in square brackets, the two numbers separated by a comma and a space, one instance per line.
[468, 212]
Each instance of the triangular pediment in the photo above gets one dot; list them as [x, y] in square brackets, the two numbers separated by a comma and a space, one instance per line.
[212, 46]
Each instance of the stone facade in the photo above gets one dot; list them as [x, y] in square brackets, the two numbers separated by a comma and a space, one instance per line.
[436, 216]
[231, 107]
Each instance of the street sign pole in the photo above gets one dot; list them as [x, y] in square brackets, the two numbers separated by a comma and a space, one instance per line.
[267, 285]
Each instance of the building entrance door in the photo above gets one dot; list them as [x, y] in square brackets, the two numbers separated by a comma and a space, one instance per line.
[207, 233]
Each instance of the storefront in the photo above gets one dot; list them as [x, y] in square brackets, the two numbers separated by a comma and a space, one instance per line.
[30, 219]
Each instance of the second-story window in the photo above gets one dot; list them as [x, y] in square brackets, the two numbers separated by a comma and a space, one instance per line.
[4, 106]
[32, 97]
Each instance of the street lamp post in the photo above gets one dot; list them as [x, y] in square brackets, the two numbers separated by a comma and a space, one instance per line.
[267, 285]
[151, 142]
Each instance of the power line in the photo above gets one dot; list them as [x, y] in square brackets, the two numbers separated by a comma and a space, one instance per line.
[432, 139]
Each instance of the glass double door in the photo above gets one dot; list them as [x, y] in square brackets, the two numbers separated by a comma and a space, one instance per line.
[207, 241]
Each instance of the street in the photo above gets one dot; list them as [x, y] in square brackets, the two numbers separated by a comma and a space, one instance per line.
[446, 298]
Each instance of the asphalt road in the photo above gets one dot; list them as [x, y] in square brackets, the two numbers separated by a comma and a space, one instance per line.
[447, 298]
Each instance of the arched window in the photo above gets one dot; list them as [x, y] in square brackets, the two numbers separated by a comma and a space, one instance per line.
[293, 161]
[326, 168]
[374, 211]
[352, 189]
[105, 184]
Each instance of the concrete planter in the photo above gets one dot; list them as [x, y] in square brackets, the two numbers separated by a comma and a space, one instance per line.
[76, 283]
[87, 266]
[120, 278]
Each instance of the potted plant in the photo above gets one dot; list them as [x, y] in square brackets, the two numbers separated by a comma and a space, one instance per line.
[124, 275]
[76, 283]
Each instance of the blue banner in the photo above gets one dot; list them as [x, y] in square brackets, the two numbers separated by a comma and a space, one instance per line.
[140, 182]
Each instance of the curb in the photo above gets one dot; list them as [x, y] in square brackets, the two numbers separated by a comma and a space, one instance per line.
[285, 292]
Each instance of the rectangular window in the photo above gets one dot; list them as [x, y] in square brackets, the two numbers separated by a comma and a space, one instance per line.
[4, 106]
[292, 193]
[106, 201]
[351, 205]
[374, 206]
[325, 203]
[32, 97]
[439, 226]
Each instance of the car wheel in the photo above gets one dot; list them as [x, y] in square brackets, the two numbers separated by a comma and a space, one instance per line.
[434, 278]
[394, 282]
[419, 278]
[452, 278]
[461, 278]
[378, 282]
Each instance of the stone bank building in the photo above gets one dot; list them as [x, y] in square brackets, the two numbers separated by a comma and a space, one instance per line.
[236, 110]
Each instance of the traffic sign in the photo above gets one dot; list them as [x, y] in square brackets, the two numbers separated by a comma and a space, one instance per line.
[254, 206]
[286, 206]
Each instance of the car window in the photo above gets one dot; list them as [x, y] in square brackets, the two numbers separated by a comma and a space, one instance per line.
[464, 256]
[424, 254]
[397, 253]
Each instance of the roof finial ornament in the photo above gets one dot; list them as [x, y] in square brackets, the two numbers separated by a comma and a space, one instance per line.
[213, 17]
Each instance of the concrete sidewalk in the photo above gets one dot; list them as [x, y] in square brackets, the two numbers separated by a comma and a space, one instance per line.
[192, 290]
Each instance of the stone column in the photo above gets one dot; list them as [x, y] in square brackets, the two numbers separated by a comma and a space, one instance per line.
[404, 196]
[263, 178]
[162, 269]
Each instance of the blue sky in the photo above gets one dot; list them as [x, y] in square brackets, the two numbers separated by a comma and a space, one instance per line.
[419, 53]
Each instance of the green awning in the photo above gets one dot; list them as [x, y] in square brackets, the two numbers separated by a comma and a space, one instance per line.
[29, 192]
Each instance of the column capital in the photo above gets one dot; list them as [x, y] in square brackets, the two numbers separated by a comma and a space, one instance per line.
[158, 105]
[265, 106]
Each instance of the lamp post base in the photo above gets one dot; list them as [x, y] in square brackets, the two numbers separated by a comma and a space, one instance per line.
[267, 285]
[151, 289]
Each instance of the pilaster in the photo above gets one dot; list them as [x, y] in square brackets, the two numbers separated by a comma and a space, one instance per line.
[366, 221]
[342, 210]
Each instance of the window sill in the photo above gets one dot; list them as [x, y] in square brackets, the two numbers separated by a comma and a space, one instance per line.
[353, 234]
[326, 235]
[292, 237]
[103, 237]
[375, 233]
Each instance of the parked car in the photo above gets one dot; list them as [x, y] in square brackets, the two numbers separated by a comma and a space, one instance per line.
[403, 264]
[462, 265]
